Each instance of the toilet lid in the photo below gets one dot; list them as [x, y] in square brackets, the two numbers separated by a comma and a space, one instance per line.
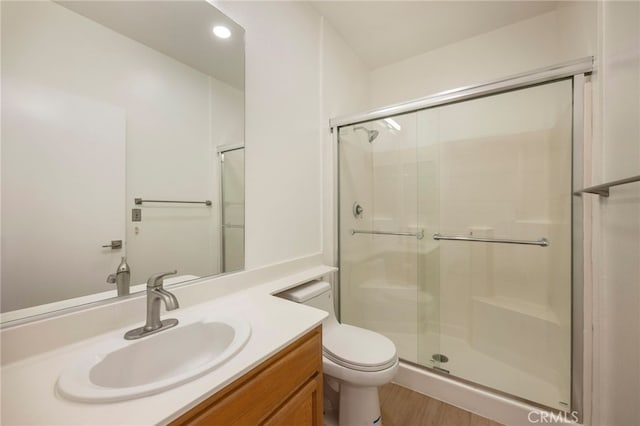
[358, 349]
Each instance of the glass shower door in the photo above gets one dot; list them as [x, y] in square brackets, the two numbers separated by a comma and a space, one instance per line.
[379, 232]
[498, 169]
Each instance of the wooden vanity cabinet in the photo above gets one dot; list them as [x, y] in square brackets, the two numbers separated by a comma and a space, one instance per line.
[284, 390]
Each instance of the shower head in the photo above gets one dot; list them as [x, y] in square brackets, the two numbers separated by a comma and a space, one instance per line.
[371, 134]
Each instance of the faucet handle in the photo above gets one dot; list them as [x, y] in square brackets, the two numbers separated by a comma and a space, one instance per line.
[156, 280]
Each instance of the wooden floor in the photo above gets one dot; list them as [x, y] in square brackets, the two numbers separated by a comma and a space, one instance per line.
[403, 407]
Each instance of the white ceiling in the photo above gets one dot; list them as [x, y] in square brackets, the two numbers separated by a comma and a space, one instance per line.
[384, 32]
[180, 29]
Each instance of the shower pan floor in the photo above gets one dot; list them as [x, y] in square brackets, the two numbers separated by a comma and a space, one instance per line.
[472, 365]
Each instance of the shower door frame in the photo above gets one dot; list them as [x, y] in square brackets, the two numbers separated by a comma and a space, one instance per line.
[222, 150]
[578, 71]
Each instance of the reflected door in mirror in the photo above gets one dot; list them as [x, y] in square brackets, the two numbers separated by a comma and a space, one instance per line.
[63, 181]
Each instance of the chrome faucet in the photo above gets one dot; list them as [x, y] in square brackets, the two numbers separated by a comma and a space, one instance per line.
[155, 294]
[121, 278]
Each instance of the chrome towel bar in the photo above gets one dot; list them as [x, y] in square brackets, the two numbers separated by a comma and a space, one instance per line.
[603, 190]
[140, 201]
[542, 242]
[419, 235]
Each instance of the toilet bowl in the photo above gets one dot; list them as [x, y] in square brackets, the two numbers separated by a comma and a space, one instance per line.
[355, 361]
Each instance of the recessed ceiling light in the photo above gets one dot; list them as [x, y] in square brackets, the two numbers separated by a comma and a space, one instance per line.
[221, 31]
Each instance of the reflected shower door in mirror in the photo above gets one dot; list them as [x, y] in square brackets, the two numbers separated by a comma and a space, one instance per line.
[113, 115]
[232, 208]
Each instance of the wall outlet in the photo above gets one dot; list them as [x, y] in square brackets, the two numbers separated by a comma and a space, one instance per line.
[136, 215]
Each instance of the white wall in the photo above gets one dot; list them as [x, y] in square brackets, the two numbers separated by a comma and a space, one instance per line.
[617, 219]
[345, 90]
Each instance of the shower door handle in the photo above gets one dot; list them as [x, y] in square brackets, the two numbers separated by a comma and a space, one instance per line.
[542, 242]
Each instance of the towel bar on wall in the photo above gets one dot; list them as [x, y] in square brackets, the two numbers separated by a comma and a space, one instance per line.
[140, 201]
[603, 189]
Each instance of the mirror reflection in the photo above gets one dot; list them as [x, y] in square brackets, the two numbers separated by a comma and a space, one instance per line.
[122, 142]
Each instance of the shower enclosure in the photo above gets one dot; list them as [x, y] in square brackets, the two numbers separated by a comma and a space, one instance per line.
[455, 232]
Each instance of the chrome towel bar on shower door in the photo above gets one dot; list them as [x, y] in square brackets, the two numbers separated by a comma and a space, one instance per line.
[419, 235]
[542, 242]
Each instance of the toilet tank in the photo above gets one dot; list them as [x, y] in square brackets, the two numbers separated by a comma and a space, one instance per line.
[316, 294]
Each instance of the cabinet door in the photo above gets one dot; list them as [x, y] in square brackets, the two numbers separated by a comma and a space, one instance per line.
[303, 408]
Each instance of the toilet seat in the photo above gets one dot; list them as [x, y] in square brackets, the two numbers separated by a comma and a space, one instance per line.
[358, 349]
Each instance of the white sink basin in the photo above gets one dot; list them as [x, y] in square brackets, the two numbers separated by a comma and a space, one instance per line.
[120, 369]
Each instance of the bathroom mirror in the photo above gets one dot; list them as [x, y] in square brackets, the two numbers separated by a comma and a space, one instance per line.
[122, 135]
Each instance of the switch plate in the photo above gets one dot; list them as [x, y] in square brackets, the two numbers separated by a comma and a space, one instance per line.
[136, 215]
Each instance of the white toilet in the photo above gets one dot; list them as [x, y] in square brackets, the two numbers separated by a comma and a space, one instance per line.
[355, 362]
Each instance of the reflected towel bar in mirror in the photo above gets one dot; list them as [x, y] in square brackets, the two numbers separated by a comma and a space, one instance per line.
[419, 235]
[542, 242]
[140, 201]
[603, 190]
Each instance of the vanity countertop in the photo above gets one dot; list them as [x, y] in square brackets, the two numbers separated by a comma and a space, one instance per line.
[28, 385]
